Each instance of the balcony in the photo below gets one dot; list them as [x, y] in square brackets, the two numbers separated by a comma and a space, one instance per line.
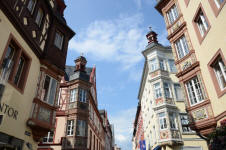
[42, 119]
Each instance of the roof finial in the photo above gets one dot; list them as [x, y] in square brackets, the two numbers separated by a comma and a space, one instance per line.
[150, 28]
[82, 54]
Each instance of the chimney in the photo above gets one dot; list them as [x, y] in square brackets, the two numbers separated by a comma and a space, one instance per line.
[80, 64]
[152, 36]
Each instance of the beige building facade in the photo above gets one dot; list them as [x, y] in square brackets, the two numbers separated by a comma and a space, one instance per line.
[165, 120]
[25, 114]
[197, 36]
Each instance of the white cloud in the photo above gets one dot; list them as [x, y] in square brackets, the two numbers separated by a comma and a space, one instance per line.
[118, 40]
[123, 127]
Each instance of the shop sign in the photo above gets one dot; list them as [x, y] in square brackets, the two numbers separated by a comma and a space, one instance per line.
[8, 110]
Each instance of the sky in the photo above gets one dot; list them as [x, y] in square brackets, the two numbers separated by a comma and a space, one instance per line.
[111, 34]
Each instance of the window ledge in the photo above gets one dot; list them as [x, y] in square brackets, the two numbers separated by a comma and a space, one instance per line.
[199, 105]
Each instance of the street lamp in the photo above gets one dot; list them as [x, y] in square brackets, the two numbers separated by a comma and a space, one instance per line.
[5, 69]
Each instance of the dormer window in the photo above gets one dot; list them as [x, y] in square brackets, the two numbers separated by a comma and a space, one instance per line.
[172, 14]
[31, 5]
[58, 42]
[39, 17]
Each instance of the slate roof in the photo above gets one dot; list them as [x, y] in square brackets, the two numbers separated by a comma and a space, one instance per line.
[71, 74]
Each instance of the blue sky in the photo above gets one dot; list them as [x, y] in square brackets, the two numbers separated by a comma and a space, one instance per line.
[111, 35]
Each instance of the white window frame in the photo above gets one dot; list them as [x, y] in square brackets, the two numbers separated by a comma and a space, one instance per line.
[49, 90]
[180, 91]
[82, 95]
[173, 120]
[218, 3]
[162, 121]
[220, 73]
[73, 95]
[59, 39]
[167, 86]
[157, 90]
[162, 64]
[172, 65]
[153, 64]
[172, 14]
[184, 123]
[70, 127]
[48, 137]
[193, 93]
[182, 47]
[202, 23]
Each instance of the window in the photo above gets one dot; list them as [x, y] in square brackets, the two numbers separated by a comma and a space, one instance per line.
[162, 64]
[82, 95]
[178, 92]
[7, 62]
[195, 91]
[172, 119]
[49, 90]
[153, 64]
[48, 138]
[217, 68]
[81, 128]
[201, 23]
[172, 14]
[59, 38]
[31, 5]
[167, 90]
[185, 123]
[15, 65]
[162, 121]
[172, 65]
[219, 3]
[19, 70]
[70, 127]
[73, 95]
[157, 90]
[182, 47]
[220, 72]
[39, 17]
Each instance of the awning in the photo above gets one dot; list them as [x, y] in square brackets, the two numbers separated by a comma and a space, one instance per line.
[157, 148]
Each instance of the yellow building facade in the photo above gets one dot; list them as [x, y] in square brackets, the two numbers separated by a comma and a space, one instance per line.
[197, 36]
[29, 79]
